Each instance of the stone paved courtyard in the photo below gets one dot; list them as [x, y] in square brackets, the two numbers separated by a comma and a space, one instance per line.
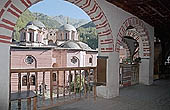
[138, 97]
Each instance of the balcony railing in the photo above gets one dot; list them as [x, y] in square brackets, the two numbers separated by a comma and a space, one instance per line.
[43, 88]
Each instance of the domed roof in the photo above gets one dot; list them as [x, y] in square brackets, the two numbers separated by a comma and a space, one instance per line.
[70, 44]
[36, 23]
[84, 46]
[67, 27]
[32, 27]
[75, 45]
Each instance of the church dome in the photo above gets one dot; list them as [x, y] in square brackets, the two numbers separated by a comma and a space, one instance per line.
[70, 44]
[84, 46]
[67, 27]
[36, 23]
[75, 45]
[32, 27]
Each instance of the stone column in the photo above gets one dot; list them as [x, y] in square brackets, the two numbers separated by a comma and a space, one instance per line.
[146, 67]
[112, 75]
[145, 74]
[112, 78]
[69, 34]
[4, 75]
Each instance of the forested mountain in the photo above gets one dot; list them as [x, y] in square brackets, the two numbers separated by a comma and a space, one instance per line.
[88, 34]
[88, 25]
[48, 21]
[75, 22]
[22, 21]
[56, 21]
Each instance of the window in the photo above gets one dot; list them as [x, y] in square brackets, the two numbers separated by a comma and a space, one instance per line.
[24, 36]
[74, 60]
[66, 36]
[50, 42]
[31, 37]
[32, 80]
[29, 59]
[54, 77]
[24, 80]
[90, 60]
[70, 78]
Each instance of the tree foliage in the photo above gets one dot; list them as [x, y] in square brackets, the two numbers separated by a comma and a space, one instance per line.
[89, 36]
[21, 23]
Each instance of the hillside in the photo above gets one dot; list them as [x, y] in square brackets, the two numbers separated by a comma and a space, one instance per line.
[88, 34]
[48, 21]
[75, 22]
[56, 21]
[88, 25]
[22, 21]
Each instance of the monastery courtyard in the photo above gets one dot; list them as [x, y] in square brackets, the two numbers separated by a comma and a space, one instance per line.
[138, 97]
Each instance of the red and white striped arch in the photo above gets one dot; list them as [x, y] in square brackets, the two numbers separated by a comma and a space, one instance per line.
[142, 34]
[12, 10]
[132, 34]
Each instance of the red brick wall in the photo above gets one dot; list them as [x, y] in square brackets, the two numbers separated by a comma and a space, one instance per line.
[44, 59]
[61, 61]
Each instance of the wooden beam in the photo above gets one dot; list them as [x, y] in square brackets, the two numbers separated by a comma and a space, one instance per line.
[19, 90]
[51, 86]
[36, 82]
[64, 81]
[28, 90]
[43, 87]
[58, 84]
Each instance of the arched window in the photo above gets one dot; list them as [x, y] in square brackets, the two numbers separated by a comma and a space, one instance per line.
[31, 37]
[70, 78]
[90, 60]
[32, 80]
[24, 36]
[54, 77]
[66, 36]
[50, 42]
[24, 80]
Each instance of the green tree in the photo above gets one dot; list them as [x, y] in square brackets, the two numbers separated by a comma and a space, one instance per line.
[89, 36]
[26, 17]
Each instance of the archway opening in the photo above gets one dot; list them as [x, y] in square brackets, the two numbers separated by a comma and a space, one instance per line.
[33, 41]
[136, 29]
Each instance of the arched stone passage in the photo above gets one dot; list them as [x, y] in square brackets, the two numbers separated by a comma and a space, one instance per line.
[11, 10]
[101, 13]
[142, 36]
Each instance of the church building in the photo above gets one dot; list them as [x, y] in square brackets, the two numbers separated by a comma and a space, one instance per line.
[40, 47]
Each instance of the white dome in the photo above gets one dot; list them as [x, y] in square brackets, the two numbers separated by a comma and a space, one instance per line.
[84, 46]
[67, 27]
[75, 45]
[36, 23]
[70, 44]
[32, 27]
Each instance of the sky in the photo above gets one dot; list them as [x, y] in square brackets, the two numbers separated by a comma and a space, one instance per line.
[59, 7]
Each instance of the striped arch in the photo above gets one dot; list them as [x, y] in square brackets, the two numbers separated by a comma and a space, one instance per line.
[12, 9]
[142, 34]
[133, 34]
